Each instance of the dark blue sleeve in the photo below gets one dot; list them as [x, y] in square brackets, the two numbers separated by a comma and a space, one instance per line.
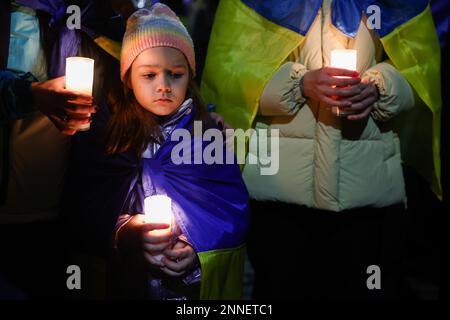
[15, 96]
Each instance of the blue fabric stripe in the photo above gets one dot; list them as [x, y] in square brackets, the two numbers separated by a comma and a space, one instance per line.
[294, 15]
[298, 15]
[441, 15]
[209, 201]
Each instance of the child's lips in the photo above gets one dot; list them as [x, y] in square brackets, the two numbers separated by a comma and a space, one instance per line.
[163, 100]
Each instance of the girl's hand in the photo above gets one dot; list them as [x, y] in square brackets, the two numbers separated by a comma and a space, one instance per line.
[362, 103]
[324, 86]
[137, 236]
[179, 259]
[154, 241]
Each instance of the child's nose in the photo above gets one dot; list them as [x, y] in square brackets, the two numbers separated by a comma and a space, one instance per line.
[164, 84]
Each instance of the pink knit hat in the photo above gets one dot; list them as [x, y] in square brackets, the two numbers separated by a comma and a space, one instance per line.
[158, 26]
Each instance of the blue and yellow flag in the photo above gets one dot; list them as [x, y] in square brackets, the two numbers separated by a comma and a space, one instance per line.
[210, 205]
[250, 39]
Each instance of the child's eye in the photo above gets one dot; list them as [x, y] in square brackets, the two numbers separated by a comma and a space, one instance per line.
[176, 75]
[149, 75]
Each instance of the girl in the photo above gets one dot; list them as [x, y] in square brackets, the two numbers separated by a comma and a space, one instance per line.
[209, 202]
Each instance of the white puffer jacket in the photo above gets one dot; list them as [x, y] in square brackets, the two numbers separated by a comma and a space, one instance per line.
[327, 162]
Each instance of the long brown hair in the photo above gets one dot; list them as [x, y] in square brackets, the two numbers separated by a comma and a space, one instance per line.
[132, 127]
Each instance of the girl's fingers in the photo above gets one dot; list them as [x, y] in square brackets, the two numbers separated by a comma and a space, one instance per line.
[179, 253]
[152, 260]
[172, 254]
[150, 237]
[177, 266]
[149, 226]
[156, 247]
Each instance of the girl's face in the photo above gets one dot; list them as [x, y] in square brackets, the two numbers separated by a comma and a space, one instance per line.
[159, 79]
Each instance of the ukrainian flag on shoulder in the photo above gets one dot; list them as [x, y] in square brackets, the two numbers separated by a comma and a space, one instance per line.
[250, 39]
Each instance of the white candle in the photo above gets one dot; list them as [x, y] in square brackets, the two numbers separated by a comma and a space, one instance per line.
[343, 59]
[80, 74]
[80, 77]
[158, 209]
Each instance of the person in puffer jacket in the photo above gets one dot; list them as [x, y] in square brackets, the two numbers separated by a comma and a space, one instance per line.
[329, 200]
[336, 205]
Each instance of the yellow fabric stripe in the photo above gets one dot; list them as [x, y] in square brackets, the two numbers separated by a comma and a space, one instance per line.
[110, 46]
[414, 50]
[249, 48]
[222, 273]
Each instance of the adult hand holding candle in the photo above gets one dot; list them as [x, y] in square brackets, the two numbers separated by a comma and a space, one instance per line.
[330, 86]
[362, 101]
[80, 78]
[158, 209]
[52, 99]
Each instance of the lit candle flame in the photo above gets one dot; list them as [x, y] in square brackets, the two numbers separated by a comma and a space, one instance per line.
[80, 74]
